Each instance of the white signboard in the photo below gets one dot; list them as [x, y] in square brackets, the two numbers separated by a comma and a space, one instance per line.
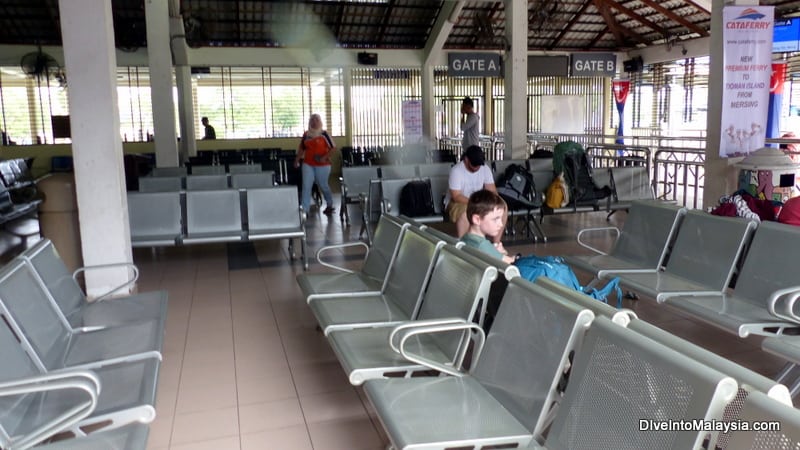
[747, 59]
[412, 121]
[563, 114]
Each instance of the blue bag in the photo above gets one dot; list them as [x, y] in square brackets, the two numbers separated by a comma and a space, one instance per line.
[532, 267]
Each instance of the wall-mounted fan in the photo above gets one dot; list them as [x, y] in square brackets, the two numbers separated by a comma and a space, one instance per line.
[42, 66]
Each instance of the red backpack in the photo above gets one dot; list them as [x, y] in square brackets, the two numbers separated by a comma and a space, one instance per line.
[790, 213]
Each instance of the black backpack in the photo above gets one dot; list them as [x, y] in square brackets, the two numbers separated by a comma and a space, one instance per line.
[516, 187]
[578, 174]
[416, 199]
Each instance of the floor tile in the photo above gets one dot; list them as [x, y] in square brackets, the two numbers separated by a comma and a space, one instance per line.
[294, 438]
[206, 425]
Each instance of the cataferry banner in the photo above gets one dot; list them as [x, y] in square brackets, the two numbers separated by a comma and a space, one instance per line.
[746, 73]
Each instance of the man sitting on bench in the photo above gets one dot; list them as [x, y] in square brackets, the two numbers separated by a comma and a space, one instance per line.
[467, 177]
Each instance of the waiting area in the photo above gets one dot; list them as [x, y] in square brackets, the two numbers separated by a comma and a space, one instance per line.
[244, 366]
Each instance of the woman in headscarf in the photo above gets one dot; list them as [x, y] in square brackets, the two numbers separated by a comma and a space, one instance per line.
[314, 152]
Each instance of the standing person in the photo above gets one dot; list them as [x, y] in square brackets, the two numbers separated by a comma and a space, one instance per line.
[470, 122]
[314, 152]
[209, 133]
[467, 177]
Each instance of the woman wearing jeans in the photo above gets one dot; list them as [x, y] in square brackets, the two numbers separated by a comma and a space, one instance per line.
[314, 152]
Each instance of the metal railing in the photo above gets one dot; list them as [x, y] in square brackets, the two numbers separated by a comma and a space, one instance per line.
[678, 175]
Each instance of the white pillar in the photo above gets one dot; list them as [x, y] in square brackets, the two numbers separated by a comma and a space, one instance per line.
[87, 31]
[159, 58]
[347, 74]
[183, 80]
[720, 175]
[428, 106]
[516, 80]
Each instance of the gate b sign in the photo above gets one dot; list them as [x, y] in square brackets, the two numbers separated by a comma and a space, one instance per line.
[593, 65]
[473, 64]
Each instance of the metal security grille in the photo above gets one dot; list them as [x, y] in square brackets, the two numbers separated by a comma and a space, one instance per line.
[377, 97]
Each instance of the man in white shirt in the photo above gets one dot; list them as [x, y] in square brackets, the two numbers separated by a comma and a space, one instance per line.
[470, 122]
[466, 177]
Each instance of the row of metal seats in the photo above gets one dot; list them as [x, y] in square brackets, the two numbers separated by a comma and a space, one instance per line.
[689, 260]
[223, 215]
[551, 368]
[245, 180]
[71, 367]
[627, 183]
[356, 182]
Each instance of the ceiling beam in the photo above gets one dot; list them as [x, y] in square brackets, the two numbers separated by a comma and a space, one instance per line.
[611, 23]
[569, 25]
[633, 15]
[448, 16]
[384, 22]
[676, 18]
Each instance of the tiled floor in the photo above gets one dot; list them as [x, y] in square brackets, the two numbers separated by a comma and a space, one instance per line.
[245, 368]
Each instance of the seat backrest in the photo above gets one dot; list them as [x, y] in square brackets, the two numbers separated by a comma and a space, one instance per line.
[244, 168]
[623, 317]
[784, 424]
[44, 259]
[390, 191]
[748, 381]
[16, 364]
[409, 273]
[355, 180]
[213, 211]
[770, 263]
[439, 187]
[396, 171]
[154, 214]
[649, 229]
[527, 350]
[208, 170]
[206, 182]
[707, 248]
[252, 180]
[459, 285]
[434, 170]
[621, 381]
[384, 247]
[630, 183]
[160, 184]
[26, 303]
[168, 172]
[499, 166]
[273, 208]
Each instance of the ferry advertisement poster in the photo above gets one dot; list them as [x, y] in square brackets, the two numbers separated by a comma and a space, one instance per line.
[747, 59]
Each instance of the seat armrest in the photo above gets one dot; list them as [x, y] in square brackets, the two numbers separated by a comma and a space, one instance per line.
[80, 380]
[781, 303]
[107, 266]
[327, 248]
[402, 333]
[588, 230]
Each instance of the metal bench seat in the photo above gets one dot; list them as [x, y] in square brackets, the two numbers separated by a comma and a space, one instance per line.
[641, 245]
[275, 213]
[439, 334]
[400, 297]
[28, 305]
[702, 261]
[766, 288]
[507, 395]
[155, 218]
[369, 278]
[76, 310]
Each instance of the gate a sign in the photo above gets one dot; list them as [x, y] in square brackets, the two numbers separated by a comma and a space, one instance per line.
[473, 64]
